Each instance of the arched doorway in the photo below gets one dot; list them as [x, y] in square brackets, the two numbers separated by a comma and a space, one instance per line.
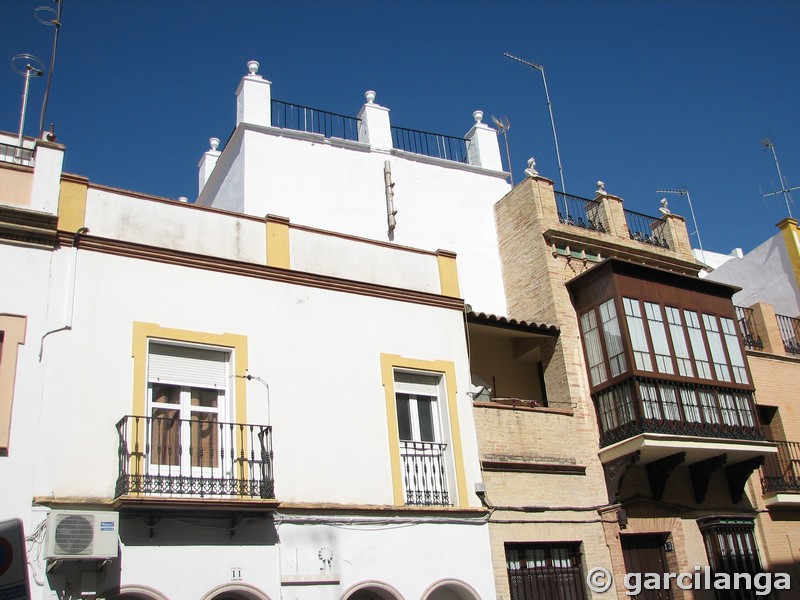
[371, 590]
[236, 591]
[450, 589]
[137, 592]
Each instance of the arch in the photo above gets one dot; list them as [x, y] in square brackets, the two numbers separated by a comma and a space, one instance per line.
[136, 592]
[450, 589]
[236, 591]
[371, 590]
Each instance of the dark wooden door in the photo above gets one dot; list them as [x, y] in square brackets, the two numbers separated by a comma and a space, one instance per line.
[645, 554]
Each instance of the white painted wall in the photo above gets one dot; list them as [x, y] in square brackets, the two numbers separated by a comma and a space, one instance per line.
[765, 274]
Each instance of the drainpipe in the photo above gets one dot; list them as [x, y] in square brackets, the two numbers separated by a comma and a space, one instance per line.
[390, 209]
[69, 305]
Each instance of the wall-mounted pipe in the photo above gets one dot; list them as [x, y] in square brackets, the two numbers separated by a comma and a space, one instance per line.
[390, 209]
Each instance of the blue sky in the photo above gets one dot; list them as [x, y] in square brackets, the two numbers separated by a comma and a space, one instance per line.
[646, 94]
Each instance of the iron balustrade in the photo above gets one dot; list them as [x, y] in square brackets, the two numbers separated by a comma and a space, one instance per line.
[312, 120]
[640, 405]
[424, 473]
[790, 333]
[436, 145]
[194, 457]
[747, 328]
[580, 212]
[15, 154]
[781, 471]
[642, 228]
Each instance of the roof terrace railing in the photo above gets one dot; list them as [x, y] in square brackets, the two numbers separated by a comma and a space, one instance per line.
[747, 327]
[302, 118]
[790, 333]
[15, 154]
[436, 145]
[641, 228]
[580, 212]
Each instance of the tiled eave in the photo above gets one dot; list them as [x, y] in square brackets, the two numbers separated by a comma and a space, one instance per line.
[481, 318]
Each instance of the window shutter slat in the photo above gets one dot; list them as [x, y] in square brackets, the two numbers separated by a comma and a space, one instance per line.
[187, 365]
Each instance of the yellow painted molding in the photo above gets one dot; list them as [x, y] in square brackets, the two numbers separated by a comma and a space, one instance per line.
[72, 204]
[13, 328]
[277, 242]
[788, 228]
[390, 362]
[142, 332]
[448, 273]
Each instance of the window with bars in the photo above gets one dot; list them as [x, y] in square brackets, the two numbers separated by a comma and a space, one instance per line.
[731, 548]
[545, 571]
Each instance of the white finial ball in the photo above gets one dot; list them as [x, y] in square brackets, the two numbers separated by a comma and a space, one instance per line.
[214, 143]
[252, 66]
[370, 96]
[478, 116]
[183, 199]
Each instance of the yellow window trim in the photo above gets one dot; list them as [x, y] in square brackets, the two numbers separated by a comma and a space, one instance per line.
[142, 332]
[390, 362]
[13, 328]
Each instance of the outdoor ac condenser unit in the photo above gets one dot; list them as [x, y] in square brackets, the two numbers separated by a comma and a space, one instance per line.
[76, 534]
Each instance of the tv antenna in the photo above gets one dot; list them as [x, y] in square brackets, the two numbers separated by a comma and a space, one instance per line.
[540, 68]
[685, 192]
[47, 15]
[785, 190]
[504, 125]
[28, 66]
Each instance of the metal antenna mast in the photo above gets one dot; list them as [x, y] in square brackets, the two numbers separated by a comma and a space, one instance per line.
[786, 191]
[684, 192]
[504, 125]
[536, 67]
[32, 68]
[56, 22]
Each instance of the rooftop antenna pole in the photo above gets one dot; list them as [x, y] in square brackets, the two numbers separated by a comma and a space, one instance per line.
[56, 22]
[504, 125]
[767, 143]
[536, 67]
[684, 192]
[33, 68]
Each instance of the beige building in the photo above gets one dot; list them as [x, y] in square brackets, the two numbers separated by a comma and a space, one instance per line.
[614, 406]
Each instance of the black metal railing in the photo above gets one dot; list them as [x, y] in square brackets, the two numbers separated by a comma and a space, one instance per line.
[790, 333]
[781, 471]
[436, 145]
[642, 228]
[580, 212]
[641, 405]
[747, 327]
[545, 570]
[424, 473]
[15, 154]
[312, 120]
[194, 457]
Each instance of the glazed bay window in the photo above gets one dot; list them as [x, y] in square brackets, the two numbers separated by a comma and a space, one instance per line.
[594, 352]
[698, 346]
[734, 350]
[603, 339]
[676, 332]
[638, 338]
[659, 336]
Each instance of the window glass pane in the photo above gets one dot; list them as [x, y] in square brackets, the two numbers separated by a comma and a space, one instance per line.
[206, 398]
[708, 405]
[744, 410]
[728, 407]
[425, 412]
[204, 439]
[734, 350]
[165, 436]
[659, 337]
[715, 344]
[650, 405]
[166, 394]
[698, 346]
[691, 411]
[679, 342]
[669, 402]
[594, 354]
[403, 417]
[641, 351]
[611, 332]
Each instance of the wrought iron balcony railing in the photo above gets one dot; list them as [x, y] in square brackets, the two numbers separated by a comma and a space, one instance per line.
[580, 212]
[747, 328]
[424, 473]
[16, 155]
[781, 471]
[312, 120]
[641, 228]
[790, 333]
[639, 405]
[436, 145]
[194, 457]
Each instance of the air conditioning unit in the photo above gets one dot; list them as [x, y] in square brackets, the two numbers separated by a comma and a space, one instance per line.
[77, 534]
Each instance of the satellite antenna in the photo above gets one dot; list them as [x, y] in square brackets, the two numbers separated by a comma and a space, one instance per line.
[504, 125]
[49, 16]
[28, 66]
[536, 67]
[685, 192]
[785, 190]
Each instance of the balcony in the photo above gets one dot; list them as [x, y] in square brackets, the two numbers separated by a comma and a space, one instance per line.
[579, 212]
[424, 473]
[436, 145]
[780, 476]
[17, 155]
[166, 458]
[658, 419]
[644, 228]
[790, 333]
[313, 120]
[747, 327]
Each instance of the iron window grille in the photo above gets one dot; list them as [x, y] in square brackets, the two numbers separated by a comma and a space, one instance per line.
[545, 571]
